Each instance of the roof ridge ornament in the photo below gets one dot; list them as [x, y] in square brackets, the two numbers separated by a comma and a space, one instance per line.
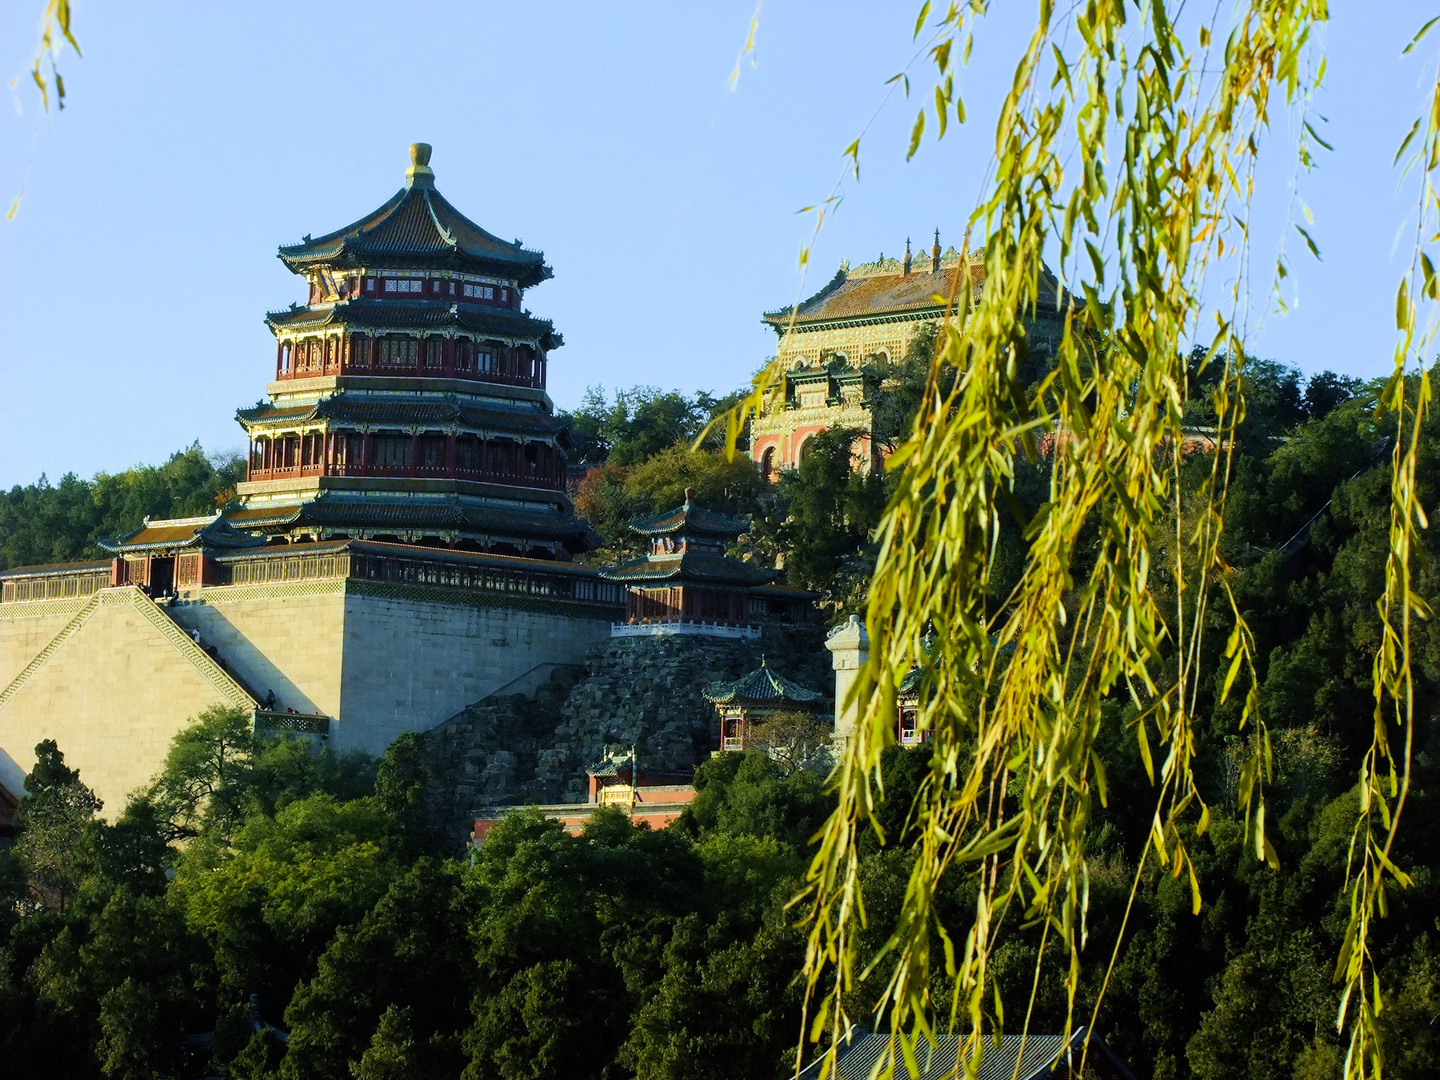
[419, 174]
[445, 234]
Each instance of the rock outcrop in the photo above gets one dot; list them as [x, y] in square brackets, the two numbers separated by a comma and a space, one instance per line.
[638, 691]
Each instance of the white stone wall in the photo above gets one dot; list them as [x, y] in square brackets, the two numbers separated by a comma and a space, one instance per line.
[377, 660]
[112, 693]
[26, 628]
[413, 663]
[287, 637]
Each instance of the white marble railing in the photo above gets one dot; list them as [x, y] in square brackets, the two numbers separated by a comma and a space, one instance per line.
[660, 629]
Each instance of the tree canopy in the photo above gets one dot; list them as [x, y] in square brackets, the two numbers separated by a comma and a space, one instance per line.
[46, 523]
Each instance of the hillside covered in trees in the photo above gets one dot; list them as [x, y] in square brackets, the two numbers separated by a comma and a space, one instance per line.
[257, 867]
[64, 522]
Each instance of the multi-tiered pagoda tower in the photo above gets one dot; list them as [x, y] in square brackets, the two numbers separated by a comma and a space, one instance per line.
[409, 398]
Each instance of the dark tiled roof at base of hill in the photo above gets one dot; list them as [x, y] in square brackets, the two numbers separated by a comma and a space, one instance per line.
[356, 409]
[368, 314]
[793, 592]
[877, 295]
[418, 226]
[1015, 1058]
[761, 687]
[690, 567]
[689, 518]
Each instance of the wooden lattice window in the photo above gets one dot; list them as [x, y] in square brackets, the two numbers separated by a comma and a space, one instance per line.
[467, 454]
[432, 451]
[399, 352]
[392, 451]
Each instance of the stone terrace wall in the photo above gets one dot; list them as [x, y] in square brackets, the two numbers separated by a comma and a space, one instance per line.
[641, 691]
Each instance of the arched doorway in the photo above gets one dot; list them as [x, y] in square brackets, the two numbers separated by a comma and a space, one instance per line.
[767, 464]
[800, 450]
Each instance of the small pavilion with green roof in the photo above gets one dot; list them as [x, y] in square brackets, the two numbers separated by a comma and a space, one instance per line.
[753, 698]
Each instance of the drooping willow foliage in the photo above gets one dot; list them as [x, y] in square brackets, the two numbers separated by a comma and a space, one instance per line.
[1128, 146]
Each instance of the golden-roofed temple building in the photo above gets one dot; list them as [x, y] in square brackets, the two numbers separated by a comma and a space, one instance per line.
[869, 313]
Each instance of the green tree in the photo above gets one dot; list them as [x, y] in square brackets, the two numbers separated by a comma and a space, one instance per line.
[269, 903]
[206, 779]
[613, 495]
[390, 995]
[823, 520]
[45, 523]
[638, 424]
[569, 930]
[1123, 610]
[52, 821]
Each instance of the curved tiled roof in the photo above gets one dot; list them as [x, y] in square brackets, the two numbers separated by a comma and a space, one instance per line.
[761, 687]
[692, 519]
[365, 313]
[910, 684]
[1030, 1057]
[689, 567]
[441, 514]
[850, 296]
[355, 409]
[176, 533]
[417, 226]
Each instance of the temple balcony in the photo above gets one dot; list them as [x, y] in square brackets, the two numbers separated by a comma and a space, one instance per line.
[509, 477]
[481, 378]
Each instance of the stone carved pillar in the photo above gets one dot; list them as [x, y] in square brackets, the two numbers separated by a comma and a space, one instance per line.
[849, 647]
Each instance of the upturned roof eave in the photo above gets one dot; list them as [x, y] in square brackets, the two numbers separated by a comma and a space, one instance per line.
[351, 256]
[634, 573]
[349, 243]
[366, 313]
[761, 687]
[688, 518]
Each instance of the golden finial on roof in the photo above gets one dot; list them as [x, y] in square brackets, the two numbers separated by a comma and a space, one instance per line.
[419, 165]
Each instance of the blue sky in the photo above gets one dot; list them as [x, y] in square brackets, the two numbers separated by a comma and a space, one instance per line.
[198, 137]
